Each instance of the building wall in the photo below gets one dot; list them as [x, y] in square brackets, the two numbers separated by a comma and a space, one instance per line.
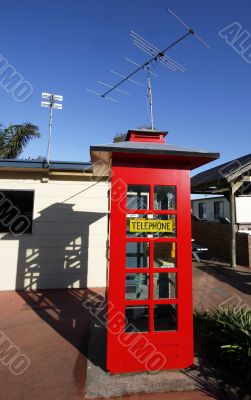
[217, 238]
[210, 207]
[67, 248]
[243, 209]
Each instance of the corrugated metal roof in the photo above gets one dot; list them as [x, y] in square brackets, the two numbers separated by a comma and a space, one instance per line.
[221, 174]
[38, 164]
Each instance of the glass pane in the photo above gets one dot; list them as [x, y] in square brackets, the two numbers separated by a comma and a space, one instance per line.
[164, 255]
[202, 211]
[164, 286]
[165, 317]
[136, 319]
[150, 225]
[138, 197]
[164, 197]
[137, 255]
[137, 286]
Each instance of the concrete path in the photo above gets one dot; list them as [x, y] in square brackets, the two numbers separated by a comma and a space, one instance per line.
[50, 329]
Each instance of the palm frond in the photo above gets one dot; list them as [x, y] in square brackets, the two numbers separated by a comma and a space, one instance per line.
[14, 138]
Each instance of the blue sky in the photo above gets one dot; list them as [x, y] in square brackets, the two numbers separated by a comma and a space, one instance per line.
[64, 47]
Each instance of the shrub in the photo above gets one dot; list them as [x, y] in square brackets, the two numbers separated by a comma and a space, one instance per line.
[225, 338]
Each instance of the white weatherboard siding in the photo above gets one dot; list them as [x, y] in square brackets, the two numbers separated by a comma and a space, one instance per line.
[67, 248]
[210, 207]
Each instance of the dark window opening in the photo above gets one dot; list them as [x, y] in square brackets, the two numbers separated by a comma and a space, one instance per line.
[218, 209]
[136, 319]
[165, 317]
[16, 211]
[202, 211]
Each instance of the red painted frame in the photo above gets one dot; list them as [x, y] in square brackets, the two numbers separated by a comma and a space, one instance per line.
[131, 352]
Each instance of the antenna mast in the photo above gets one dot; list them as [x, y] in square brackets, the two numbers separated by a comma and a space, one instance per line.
[149, 95]
[155, 55]
[49, 102]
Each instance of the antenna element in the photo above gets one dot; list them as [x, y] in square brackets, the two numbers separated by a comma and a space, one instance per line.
[155, 56]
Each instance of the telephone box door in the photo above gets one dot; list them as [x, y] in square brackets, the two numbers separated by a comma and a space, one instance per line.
[150, 270]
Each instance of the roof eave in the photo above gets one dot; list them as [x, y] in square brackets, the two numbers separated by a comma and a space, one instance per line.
[101, 156]
[117, 149]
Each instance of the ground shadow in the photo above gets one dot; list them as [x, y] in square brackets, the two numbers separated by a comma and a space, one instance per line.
[209, 381]
[240, 280]
[56, 256]
[72, 314]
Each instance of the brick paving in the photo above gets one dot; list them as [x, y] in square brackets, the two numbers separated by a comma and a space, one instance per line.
[216, 285]
[51, 328]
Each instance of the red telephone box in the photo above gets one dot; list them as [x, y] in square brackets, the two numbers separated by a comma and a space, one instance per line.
[149, 293]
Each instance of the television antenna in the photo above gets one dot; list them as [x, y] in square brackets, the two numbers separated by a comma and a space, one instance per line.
[51, 101]
[156, 55]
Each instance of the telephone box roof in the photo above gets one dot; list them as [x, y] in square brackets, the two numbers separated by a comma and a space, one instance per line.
[102, 154]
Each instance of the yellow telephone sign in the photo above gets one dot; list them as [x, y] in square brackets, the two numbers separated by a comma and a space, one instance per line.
[151, 225]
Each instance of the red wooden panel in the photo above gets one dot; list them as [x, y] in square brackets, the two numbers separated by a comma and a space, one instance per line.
[131, 352]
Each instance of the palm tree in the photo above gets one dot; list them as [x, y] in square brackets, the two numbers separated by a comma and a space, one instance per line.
[14, 138]
[119, 137]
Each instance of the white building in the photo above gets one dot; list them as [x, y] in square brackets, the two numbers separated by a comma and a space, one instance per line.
[233, 179]
[211, 208]
[64, 210]
[217, 209]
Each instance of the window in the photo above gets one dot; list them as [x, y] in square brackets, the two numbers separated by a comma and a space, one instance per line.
[137, 255]
[164, 255]
[165, 317]
[151, 284]
[164, 197]
[218, 209]
[164, 286]
[136, 319]
[138, 197]
[202, 211]
[16, 210]
[137, 286]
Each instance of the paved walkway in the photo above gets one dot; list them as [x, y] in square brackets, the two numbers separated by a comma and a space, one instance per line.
[217, 285]
[50, 327]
